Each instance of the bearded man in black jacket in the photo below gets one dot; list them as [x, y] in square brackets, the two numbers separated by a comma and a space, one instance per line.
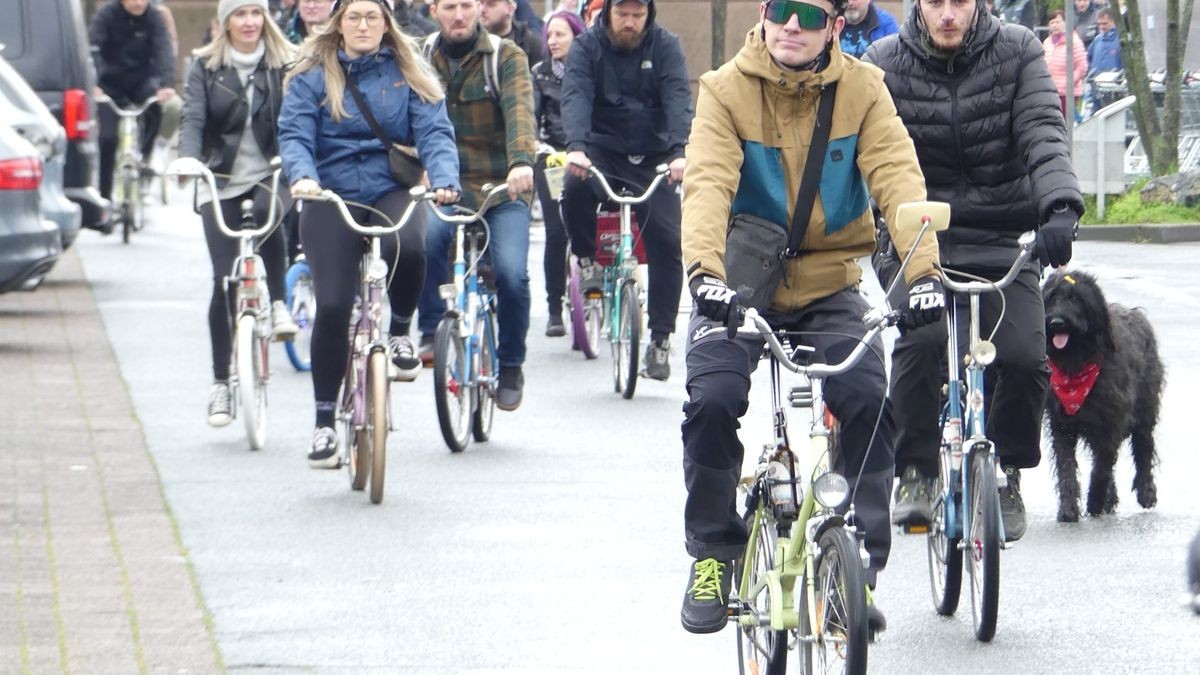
[982, 110]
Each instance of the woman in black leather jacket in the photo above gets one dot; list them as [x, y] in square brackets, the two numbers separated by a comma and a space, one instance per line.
[559, 33]
[233, 97]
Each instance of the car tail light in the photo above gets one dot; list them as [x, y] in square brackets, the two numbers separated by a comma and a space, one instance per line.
[76, 119]
[21, 173]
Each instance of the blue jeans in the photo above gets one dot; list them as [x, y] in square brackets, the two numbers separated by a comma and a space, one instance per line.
[509, 253]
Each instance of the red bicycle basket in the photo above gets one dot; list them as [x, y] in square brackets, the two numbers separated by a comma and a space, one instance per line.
[608, 237]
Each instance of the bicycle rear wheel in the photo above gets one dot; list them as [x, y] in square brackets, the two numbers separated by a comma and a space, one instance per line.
[983, 546]
[377, 419]
[451, 373]
[252, 379]
[761, 651]
[485, 386]
[585, 317]
[303, 305]
[838, 641]
[945, 557]
[625, 347]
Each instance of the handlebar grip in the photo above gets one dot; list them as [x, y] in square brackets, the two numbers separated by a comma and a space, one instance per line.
[733, 321]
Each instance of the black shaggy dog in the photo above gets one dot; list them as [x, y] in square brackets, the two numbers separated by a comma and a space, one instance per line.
[1106, 383]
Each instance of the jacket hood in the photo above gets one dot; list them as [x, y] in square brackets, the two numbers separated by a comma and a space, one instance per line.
[915, 35]
[608, 5]
[754, 60]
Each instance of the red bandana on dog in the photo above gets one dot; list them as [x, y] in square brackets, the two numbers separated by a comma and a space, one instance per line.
[1073, 390]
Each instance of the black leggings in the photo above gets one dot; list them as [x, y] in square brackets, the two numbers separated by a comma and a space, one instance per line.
[222, 250]
[333, 252]
[554, 261]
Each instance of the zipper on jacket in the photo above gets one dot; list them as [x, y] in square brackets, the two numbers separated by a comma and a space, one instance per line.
[960, 188]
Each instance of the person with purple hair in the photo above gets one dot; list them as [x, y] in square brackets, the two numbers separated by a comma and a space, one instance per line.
[559, 33]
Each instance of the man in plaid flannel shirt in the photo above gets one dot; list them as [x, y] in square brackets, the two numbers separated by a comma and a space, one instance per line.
[495, 132]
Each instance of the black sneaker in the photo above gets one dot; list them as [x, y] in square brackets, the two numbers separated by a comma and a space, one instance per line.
[425, 351]
[508, 392]
[591, 278]
[324, 453]
[404, 358]
[876, 623]
[657, 360]
[555, 327]
[1012, 507]
[914, 499]
[706, 601]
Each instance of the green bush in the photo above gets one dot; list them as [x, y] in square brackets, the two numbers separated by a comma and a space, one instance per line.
[1128, 209]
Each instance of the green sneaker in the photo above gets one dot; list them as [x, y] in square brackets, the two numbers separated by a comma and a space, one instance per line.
[706, 602]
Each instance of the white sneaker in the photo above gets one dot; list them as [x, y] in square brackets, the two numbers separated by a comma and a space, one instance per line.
[405, 364]
[220, 405]
[283, 327]
[324, 453]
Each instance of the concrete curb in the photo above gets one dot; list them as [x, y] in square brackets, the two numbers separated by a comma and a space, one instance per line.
[1166, 233]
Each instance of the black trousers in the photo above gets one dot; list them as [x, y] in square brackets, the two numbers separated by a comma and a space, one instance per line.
[1015, 384]
[222, 250]
[718, 372]
[150, 121]
[658, 217]
[333, 252]
[554, 260]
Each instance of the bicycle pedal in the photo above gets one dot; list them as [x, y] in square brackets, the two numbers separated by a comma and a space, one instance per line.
[914, 529]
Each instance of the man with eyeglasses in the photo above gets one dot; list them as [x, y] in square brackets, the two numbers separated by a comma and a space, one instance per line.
[984, 114]
[748, 158]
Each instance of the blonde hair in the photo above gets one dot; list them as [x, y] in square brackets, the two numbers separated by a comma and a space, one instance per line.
[216, 54]
[321, 49]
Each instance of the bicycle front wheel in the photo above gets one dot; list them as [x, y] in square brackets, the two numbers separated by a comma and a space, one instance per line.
[625, 347]
[761, 651]
[983, 546]
[451, 375]
[302, 304]
[377, 420]
[837, 641]
[486, 383]
[252, 379]
[945, 557]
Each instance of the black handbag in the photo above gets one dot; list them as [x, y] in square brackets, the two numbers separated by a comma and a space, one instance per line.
[756, 249]
[404, 162]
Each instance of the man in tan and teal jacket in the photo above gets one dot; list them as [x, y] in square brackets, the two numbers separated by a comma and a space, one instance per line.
[749, 143]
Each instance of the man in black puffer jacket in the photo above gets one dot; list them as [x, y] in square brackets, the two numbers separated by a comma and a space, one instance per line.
[982, 110]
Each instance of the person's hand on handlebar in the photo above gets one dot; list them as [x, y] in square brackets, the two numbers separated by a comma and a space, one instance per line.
[677, 166]
[444, 196]
[1054, 238]
[306, 187]
[520, 181]
[712, 297]
[163, 95]
[578, 164]
[926, 301]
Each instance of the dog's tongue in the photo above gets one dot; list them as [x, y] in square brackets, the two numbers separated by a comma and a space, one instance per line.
[1060, 340]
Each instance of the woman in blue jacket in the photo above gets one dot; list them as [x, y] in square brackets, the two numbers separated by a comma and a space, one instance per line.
[326, 143]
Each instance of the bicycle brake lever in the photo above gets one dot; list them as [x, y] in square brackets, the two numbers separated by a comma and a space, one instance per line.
[733, 321]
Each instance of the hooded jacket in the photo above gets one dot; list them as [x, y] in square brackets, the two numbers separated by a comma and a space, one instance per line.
[747, 151]
[131, 52]
[989, 134]
[629, 103]
[1104, 53]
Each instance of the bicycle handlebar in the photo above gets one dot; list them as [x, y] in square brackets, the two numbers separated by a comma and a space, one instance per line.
[472, 216]
[1026, 241]
[418, 193]
[661, 172]
[876, 320]
[127, 112]
[190, 167]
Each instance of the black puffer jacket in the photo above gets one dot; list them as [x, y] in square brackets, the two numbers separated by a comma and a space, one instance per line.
[214, 114]
[988, 131]
[131, 53]
[547, 104]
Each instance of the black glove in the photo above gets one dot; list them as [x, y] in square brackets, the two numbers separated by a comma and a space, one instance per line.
[1054, 239]
[926, 300]
[712, 297]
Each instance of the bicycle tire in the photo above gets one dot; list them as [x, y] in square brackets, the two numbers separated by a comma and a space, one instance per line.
[303, 306]
[485, 385]
[770, 647]
[138, 209]
[377, 419]
[252, 380]
[984, 546]
[358, 441]
[838, 568]
[625, 347]
[450, 371]
[945, 557]
[126, 224]
[585, 334]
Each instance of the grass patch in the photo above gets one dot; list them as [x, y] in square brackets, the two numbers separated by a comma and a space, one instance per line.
[1128, 209]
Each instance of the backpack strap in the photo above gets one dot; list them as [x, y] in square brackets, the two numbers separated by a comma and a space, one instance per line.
[491, 68]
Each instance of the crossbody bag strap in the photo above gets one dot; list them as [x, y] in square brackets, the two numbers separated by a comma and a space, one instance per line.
[365, 109]
[811, 180]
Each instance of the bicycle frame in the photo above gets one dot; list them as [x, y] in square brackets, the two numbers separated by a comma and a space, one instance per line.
[129, 152]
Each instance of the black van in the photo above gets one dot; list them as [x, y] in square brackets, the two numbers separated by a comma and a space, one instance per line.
[46, 41]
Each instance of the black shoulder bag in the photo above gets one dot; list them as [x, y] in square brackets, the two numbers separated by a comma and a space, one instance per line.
[403, 161]
[756, 249]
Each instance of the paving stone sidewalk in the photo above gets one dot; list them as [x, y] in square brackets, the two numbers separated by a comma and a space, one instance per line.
[93, 575]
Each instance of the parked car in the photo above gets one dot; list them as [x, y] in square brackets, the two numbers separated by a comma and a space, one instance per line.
[46, 42]
[29, 244]
[22, 110]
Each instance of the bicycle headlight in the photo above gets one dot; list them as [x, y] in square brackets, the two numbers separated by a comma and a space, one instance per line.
[448, 291]
[377, 271]
[831, 490]
[984, 353]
